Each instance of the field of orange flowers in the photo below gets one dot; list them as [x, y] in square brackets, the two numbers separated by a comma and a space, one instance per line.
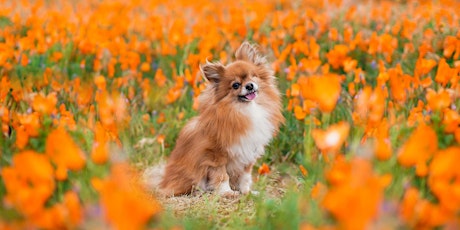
[92, 92]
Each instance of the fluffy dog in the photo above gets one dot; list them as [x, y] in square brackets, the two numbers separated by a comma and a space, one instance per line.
[239, 113]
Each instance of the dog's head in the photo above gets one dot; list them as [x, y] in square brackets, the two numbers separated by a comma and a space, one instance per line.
[242, 81]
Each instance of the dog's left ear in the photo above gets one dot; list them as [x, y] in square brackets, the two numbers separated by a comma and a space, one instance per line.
[248, 52]
[212, 71]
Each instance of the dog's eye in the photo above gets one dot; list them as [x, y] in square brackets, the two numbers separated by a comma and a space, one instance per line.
[236, 85]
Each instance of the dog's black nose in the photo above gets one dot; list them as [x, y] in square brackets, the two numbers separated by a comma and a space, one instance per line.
[249, 86]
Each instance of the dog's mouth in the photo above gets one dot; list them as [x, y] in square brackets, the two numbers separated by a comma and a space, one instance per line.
[251, 95]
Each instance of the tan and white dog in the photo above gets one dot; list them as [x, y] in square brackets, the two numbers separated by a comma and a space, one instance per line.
[239, 113]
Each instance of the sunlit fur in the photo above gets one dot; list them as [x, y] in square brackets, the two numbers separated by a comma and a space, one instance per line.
[216, 150]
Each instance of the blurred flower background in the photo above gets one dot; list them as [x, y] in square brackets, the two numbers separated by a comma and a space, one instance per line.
[93, 92]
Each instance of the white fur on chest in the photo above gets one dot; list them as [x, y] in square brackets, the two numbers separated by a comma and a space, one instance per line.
[258, 135]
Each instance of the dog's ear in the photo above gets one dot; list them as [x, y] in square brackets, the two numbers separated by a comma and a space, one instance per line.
[212, 71]
[248, 52]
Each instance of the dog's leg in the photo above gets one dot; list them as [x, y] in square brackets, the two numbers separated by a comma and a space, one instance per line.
[219, 182]
[245, 180]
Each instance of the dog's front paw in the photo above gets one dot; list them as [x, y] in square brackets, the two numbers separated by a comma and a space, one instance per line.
[230, 194]
[249, 191]
[245, 183]
[245, 190]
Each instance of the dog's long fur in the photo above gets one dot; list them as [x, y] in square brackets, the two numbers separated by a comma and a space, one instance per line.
[216, 150]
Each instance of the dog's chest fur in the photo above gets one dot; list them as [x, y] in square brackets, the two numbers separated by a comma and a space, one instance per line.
[251, 145]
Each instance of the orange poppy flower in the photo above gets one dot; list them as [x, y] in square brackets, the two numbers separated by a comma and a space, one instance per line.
[31, 123]
[63, 151]
[325, 90]
[355, 193]
[177, 32]
[348, 31]
[309, 106]
[438, 101]
[418, 212]
[145, 67]
[303, 170]
[383, 149]
[112, 110]
[73, 207]
[264, 169]
[352, 89]
[314, 48]
[387, 45]
[444, 73]
[67, 214]
[349, 65]
[295, 90]
[4, 114]
[373, 44]
[56, 56]
[189, 77]
[333, 34]
[443, 178]
[450, 46]
[421, 169]
[22, 137]
[408, 204]
[420, 146]
[100, 152]
[310, 65]
[318, 191]
[118, 193]
[299, 113]
[305, 87]
[146, 117]
[173, 95]
[44, 105]
[377, 106]
[284, 54]
[337, 56]
[457, 135]
[161, 139]
[424, 66]
[399, 84]
[451, 120]
[24, 60]
[161, 118]
[29, 182]
[331, 139]
[100, 82]
[424, 49]
[362, 102]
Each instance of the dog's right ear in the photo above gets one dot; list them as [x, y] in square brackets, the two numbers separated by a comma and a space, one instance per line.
[212, 71]
[248, 52]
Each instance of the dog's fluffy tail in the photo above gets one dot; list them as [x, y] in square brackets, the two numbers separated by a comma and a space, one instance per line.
[153, 176]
